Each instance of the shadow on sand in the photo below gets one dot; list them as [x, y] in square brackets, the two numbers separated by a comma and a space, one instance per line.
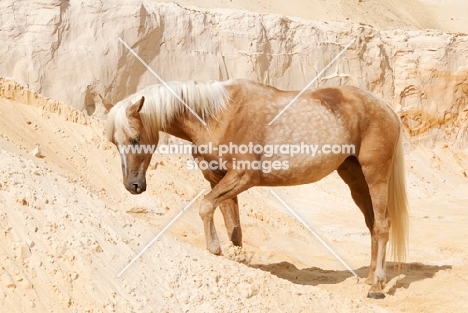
[316, 276]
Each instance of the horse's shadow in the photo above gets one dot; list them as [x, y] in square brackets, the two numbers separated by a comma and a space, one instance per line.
[316, 276]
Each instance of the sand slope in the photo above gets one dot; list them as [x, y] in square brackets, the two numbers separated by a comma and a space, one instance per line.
[69, 227]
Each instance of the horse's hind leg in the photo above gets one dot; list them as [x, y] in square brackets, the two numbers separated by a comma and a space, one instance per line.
[376, 170]
[351, 173]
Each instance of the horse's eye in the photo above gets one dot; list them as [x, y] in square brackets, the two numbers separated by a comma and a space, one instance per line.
[135, 140]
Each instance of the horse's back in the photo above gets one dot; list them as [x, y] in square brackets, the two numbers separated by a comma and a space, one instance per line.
[342, 114]
[347, 102]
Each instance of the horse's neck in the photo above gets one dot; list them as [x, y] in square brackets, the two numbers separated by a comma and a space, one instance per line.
[179, 132]
[187, 128]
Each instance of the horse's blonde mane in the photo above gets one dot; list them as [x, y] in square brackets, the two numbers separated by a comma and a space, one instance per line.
[160, 108]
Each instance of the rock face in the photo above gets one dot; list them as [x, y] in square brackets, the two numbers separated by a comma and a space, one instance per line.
[70, 51]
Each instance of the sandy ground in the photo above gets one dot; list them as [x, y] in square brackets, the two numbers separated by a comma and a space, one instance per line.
[68, 226]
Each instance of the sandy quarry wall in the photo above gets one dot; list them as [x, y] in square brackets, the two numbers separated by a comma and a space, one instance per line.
[70, 51]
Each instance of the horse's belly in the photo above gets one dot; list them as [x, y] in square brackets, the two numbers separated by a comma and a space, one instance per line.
[298, 170]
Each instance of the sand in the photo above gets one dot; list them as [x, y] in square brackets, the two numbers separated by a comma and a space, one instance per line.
[68, 226]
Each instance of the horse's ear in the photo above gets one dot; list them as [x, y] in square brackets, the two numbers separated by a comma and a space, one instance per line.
[135, 108]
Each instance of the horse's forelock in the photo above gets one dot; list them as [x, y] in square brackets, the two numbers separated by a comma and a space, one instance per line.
[117, 120]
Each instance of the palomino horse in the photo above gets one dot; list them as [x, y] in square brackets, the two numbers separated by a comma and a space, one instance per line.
[237, 112]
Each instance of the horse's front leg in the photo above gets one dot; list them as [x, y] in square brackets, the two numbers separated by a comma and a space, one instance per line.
[230, 210]
[233, 183]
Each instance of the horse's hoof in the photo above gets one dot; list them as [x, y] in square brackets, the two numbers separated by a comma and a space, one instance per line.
[236, 236]
[215, 250]
[376, 295]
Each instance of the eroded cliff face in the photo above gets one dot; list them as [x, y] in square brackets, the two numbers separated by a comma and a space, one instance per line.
[70, 51]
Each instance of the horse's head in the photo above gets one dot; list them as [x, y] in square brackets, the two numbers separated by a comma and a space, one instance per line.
[125, 129]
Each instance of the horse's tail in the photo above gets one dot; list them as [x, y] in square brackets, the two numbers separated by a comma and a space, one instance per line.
[398, 207]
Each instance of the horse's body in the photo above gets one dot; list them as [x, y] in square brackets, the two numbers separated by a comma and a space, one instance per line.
[238, 112]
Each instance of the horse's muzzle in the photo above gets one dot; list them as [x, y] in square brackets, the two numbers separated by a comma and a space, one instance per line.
[136, 187]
